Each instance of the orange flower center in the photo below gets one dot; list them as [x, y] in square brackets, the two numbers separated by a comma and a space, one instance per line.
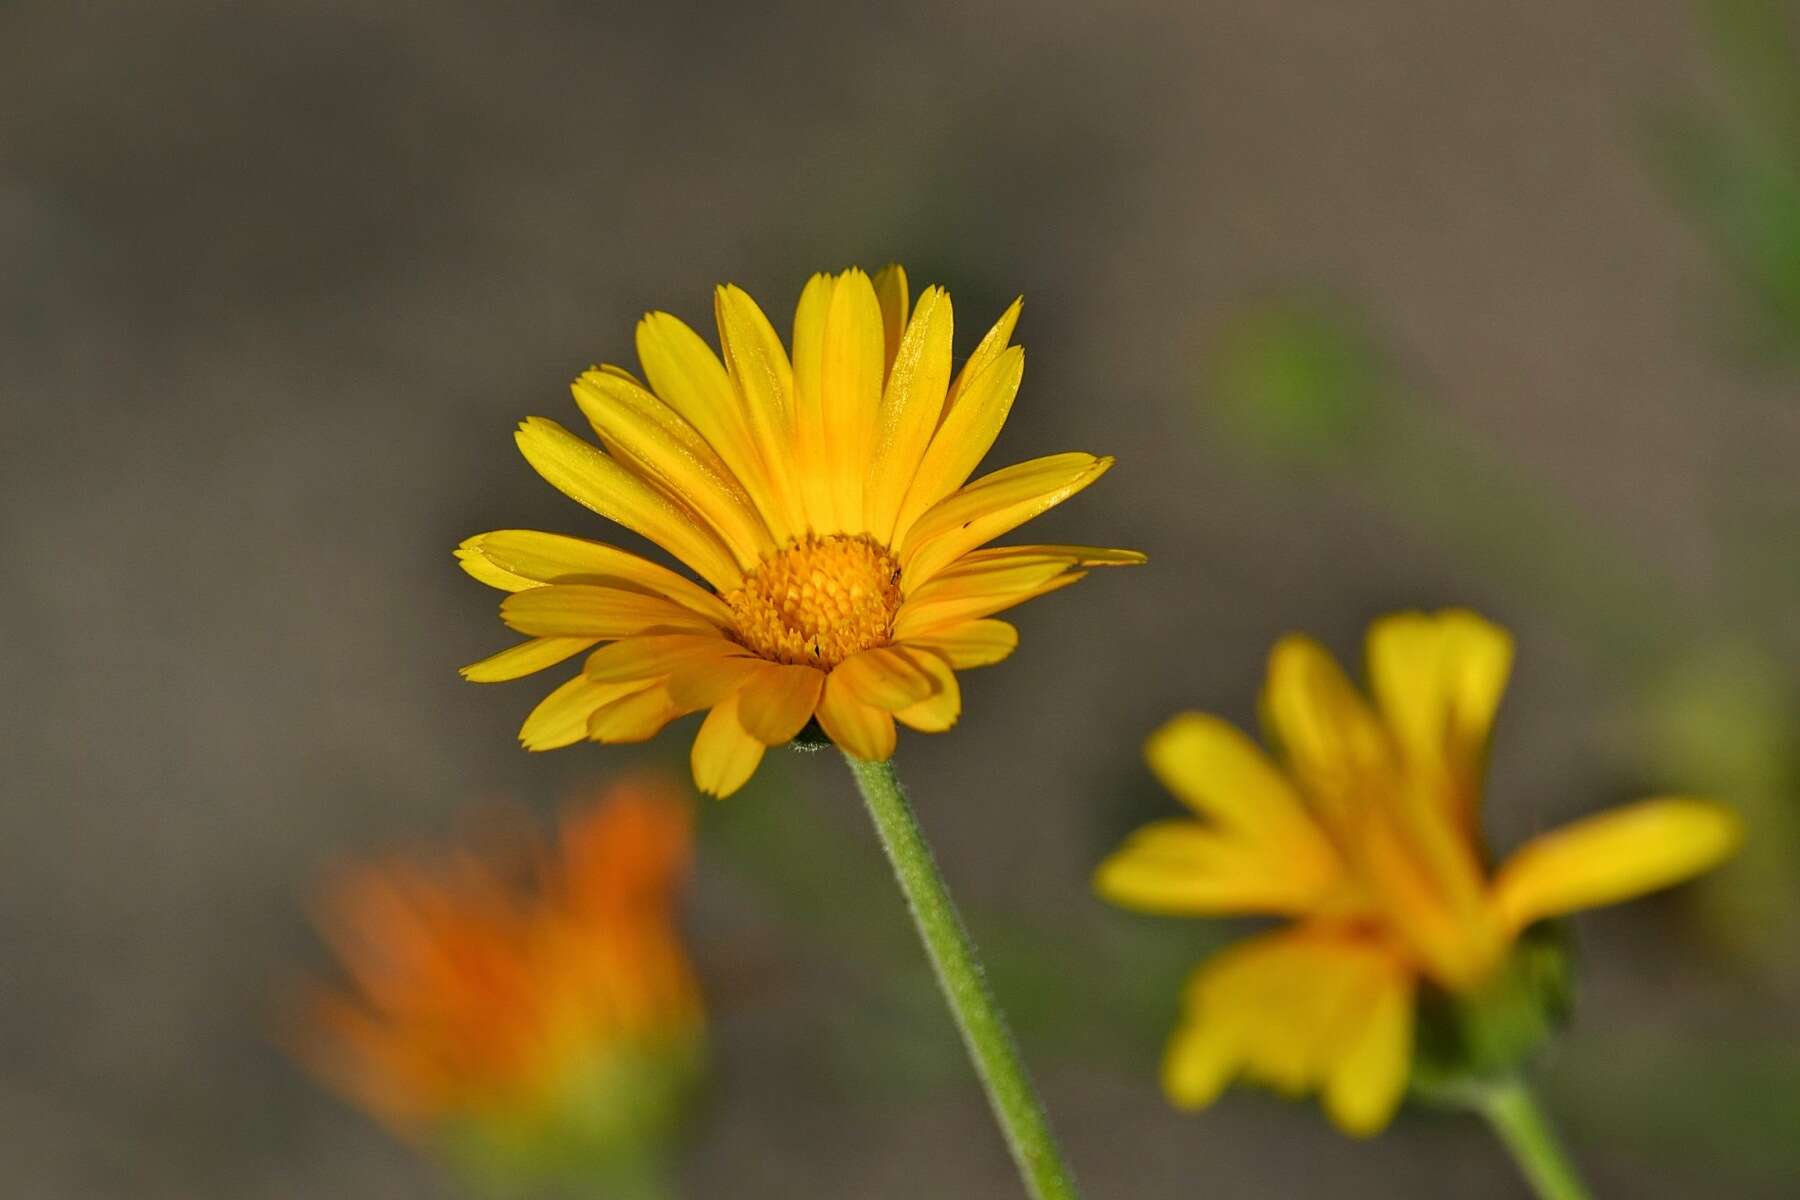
[819, 601]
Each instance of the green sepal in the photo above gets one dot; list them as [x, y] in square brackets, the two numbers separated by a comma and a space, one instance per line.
[610, 1129]
[1464, 1044]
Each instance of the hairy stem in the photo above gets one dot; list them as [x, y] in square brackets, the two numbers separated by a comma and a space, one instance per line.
[959, 973]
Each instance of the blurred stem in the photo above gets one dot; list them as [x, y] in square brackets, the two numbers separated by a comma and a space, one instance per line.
[964, 983]
[1513, 1112]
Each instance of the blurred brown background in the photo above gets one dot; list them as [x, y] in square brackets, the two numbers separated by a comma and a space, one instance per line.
[1379, 305]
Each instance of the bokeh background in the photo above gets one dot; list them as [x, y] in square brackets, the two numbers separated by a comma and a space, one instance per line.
[1379, 305]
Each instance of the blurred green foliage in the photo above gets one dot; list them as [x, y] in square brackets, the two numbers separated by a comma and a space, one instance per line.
[1734, 164]
[1300, 385]
[1299, 378]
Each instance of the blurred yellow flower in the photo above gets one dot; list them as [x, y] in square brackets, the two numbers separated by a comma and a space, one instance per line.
[822, 497]
[524, 1011]
[1367, 835]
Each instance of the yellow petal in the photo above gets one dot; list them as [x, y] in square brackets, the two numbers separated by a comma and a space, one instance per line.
[683, 370]
[1368, 1080]
[969, 576]
[525, 659]
[764, 379]
[1442, 915]
[975, 644]
[1432, 881]
[651, 439]
[891, 291]
[637, 717]
[910, 407]
[778, 700]
[656, 656]
[811, 457]
[1201, 1060]
[964, 437]
[1437, 681]
[561, 718]
[993, 344]
[939, 711]
[989, 507]
[724, 754]
[1300, 1009]
[583, 610]
[1222, 775]
[1331, 738]
[859, 728]
[590, 478]
[1614, 856]
[853, 367]
[886, 677]
[516, 559]
[1184, 868]
[1075, 556]
[979, 594]
[482, 568]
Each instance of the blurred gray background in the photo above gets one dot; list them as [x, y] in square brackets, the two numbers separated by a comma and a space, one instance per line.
[1379, 305]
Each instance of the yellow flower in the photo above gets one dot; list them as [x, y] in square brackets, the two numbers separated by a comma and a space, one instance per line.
[518, 1009]
[1366, 835]
[824, 500]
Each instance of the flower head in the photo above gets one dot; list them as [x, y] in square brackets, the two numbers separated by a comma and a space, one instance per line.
[1367, 836]
[823, 498]
[525, 1012]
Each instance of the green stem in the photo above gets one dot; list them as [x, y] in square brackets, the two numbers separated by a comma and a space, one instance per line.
[1525, 1132]
[959, 972]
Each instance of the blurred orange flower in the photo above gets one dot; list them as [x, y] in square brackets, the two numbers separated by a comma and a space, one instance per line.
[1368, 836]
[523, 1010]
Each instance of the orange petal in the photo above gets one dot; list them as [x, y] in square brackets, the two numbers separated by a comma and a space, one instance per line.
[636, 717]
[886, 677]
[975, 644]
[861, 729]
[938, 711]
[702, 683]
[778, 700]
[657, 655]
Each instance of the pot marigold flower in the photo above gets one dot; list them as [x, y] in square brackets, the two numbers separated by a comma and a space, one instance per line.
[1367, 836]
[530, 1013]
[823, 498]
